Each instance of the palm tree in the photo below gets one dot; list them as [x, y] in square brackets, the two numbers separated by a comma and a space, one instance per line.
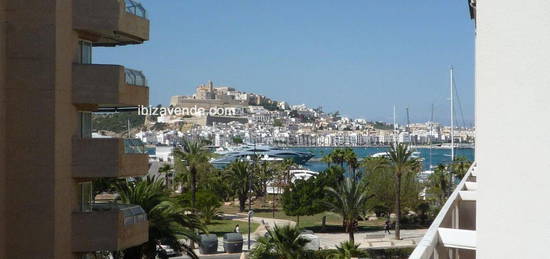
[372, 164]
[327, 159]
[281, 178]
[338, 157]
[346, 250]
[439, 184]
[166, 170]
[283, 172]
[280, 243]
[460, 166]
[351, 159]
[238, 176]
[266, 174]
[193, 157]
[350, 201]
[401, 162]
[168, 221]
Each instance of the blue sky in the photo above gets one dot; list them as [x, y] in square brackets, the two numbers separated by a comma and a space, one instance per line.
[359, 57]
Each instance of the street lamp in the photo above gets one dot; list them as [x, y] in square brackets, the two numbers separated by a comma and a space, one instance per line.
[250, 212]
[250, 215]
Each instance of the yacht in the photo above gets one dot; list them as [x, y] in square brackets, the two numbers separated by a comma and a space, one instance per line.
[265, 153]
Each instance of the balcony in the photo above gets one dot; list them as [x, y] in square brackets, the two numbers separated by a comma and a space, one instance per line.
[109, 157]
[109, 227]
[453, 232]
[111, 22]
[96, 85]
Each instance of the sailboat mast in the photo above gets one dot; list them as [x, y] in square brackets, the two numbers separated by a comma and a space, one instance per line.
[430, 135]
[452, 119]
[408, 120]
[394, 128]
[394, 118]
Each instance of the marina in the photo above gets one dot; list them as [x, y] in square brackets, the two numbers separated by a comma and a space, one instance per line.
[438, 156]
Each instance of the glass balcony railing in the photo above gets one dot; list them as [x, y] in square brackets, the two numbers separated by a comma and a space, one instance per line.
[135, 8]
[133, 214]
[135, 77]
[134, 146]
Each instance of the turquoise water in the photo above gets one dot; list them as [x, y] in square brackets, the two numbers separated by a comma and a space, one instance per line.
[438, 155]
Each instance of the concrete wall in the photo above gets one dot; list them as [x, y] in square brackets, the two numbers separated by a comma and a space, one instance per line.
[105, 85]
[106, 17]
[114, 162]
[39, 185]
[2, 129]
[106, 230]
[512, 121]
[467, 212]
[37, 191]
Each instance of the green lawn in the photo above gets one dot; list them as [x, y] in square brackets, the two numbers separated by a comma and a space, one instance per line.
[333, 223]
[220, 227]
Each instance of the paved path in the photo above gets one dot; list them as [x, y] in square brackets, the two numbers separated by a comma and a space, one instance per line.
[264, 222]
[374, 239]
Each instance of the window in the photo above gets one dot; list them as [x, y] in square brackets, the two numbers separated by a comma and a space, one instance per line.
[85, 52]
[85, 124]
[85, 196]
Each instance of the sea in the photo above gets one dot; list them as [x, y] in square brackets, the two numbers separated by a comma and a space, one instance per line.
[438, 155]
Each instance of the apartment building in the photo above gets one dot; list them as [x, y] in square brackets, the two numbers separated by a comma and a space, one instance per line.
[507, 215]
[48, 159]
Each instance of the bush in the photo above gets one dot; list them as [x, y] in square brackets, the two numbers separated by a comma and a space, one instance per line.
[208, 204]
[381, 210]
[392, 253]
[396, 253]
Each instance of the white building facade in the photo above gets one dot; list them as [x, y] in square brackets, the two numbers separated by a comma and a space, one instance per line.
[509, 219]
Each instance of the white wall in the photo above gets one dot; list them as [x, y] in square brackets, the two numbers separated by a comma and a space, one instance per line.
[512, 97]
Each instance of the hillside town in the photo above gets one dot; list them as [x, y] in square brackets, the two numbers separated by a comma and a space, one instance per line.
[255, 118]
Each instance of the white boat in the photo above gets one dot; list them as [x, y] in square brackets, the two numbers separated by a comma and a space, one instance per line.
[296, 174]
[423, 176]
[266, 157]
[302, 174]
[380, 154]
[415, 155]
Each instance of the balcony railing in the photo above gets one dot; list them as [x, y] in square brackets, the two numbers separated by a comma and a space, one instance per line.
[135, 77]
[133, 214]
[135, 8]
[446, 225]
[134, 146]
[109, 227]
